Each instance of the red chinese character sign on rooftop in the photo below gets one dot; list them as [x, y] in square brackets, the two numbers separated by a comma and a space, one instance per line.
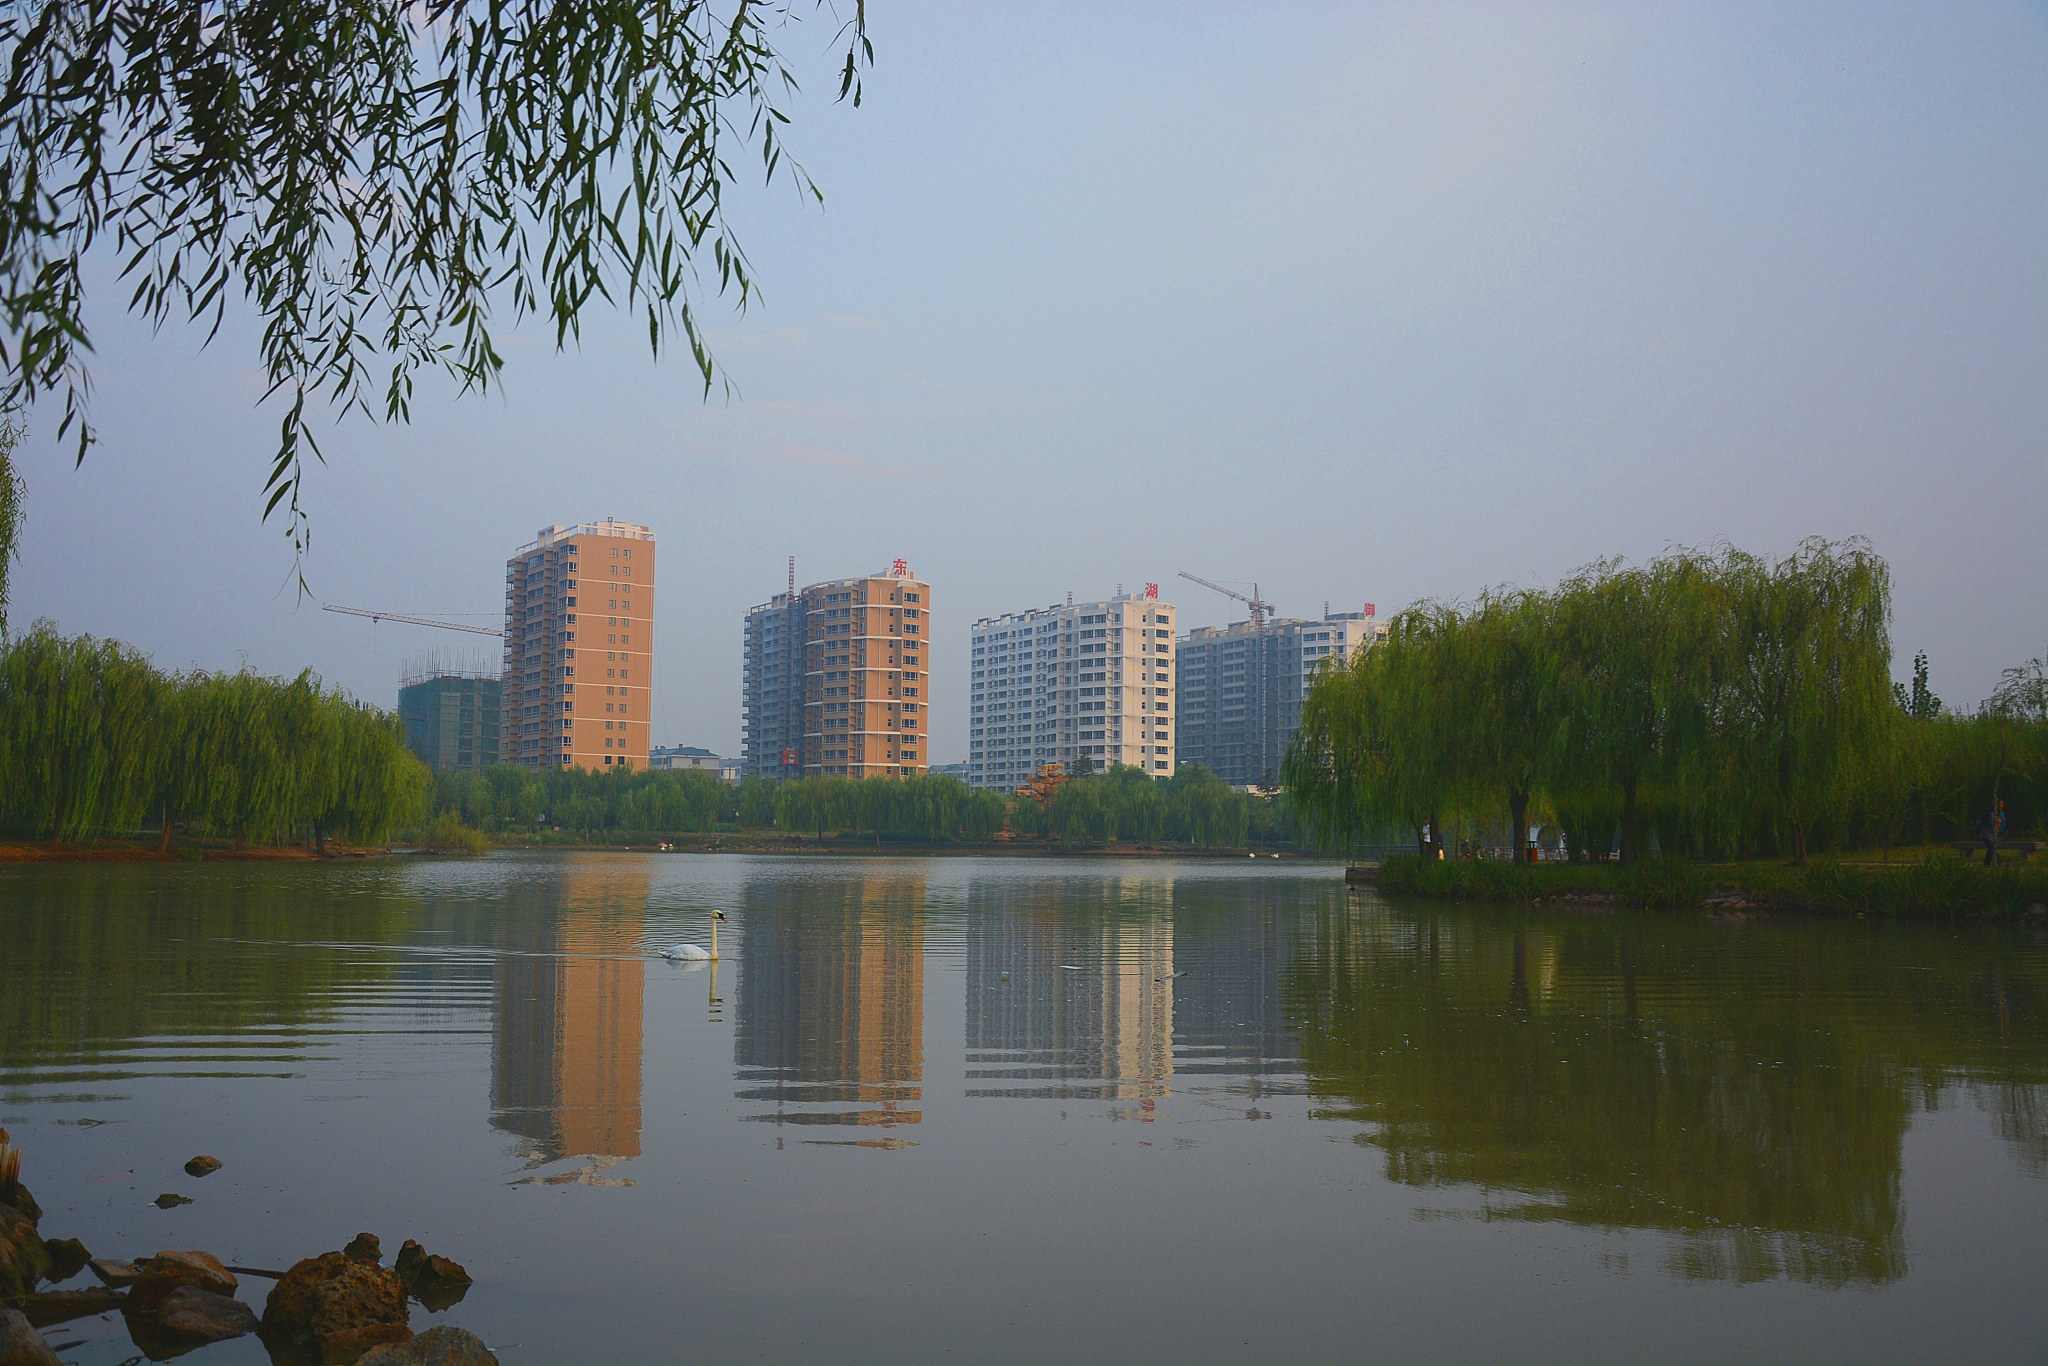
[1152, 590]
[902, 569]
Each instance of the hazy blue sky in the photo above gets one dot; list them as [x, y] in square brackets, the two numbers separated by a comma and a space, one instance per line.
[1370, 302]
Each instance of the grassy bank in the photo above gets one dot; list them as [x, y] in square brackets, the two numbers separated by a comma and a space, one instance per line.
[1937, 885]
[148, 850]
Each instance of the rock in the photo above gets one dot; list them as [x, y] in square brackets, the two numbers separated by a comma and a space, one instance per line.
[327, 1300]
[21, 1344]
[169, 1200]
[434, 1281]
[442, 1269]
[167, 1271]
[202, 1166]
[415, 1261]
[350, 1344]
[14, 1195]
[411, 1258]
[67, 1258]
[443, 1346]
[114, 1273]
[440, 1284]
[364, 1247]
[191, 1312]
[23, 1258]
[61, 1306]
[21, 1202]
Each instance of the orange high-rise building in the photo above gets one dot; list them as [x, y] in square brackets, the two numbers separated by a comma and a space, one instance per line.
[867, 706]
[579, 647]
[836, 681]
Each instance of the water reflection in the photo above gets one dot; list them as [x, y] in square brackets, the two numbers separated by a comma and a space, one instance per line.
[1065, 1000]
[1748, 1096]
[569, 998]
[1743, 1090]
[829, 1016]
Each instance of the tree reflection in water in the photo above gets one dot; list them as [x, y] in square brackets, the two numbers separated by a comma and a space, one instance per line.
[1746, 1088]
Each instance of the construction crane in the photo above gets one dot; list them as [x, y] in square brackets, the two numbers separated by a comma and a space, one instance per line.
[412, 621]
[1262, 610]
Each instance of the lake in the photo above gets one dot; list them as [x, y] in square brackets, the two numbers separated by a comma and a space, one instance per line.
[1015, 1109]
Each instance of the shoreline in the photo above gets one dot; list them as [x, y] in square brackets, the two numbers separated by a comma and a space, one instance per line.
[146, 851]
[1935, 885]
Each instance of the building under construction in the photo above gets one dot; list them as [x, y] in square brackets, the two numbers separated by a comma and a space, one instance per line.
[1240, 686]
[450, 706]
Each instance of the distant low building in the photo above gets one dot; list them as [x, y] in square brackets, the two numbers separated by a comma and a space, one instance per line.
[730, 771]
[683, 756]
[451, 717]
[957, 771]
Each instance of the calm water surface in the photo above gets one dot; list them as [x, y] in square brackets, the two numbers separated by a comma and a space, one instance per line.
[1011, 1110]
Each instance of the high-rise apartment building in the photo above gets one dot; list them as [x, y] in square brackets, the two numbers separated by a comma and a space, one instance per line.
[579, 647]
[1092, 680]
[1241, 688]
[772, 688]
[836, 679]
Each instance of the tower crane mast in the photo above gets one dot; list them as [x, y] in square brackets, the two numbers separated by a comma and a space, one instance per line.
[1262, 611]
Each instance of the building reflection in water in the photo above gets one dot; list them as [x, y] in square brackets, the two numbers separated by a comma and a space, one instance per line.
[829, 1014]
[569, 994]
[1073, 1003]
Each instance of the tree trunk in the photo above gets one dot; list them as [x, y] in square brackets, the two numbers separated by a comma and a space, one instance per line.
[1628, 821]
[164, 847]
[1518, 823]
[320, 839]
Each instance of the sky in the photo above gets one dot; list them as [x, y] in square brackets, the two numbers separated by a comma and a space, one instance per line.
[1365, 303]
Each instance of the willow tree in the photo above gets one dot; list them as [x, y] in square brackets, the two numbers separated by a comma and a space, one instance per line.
[2018, 704]
[375, 179]
[13, 492]
[1338, 767]
[1809, 683]
[75, 731]
[1377, 746]
[378, 786]
[1638, 657]
[1493, 684]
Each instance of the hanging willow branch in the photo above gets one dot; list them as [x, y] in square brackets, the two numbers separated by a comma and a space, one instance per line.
[374, 176]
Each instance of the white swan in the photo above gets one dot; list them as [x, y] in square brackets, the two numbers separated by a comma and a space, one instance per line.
[695, 952]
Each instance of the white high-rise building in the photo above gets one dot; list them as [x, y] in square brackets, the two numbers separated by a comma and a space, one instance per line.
[1088, 680]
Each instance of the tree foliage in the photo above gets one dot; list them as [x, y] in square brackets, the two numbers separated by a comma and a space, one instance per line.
[1709, 703]
[1121, 805]
[375, 179]
[13, 494]
[94, 739]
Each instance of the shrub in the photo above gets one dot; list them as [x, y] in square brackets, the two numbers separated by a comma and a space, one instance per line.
[446, 834]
